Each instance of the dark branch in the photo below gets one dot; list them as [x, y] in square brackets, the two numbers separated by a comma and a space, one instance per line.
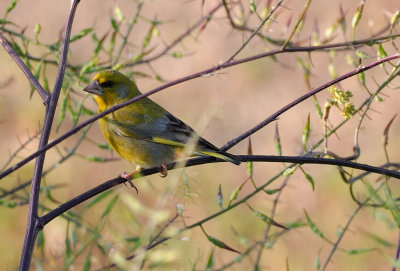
[10, 50]
[184, 79]
[204, 160]
[33, 224]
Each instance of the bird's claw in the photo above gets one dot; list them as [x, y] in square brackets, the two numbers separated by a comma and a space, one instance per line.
[128, 178]
[164, 170]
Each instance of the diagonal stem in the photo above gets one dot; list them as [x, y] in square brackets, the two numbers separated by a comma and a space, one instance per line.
[10, 50]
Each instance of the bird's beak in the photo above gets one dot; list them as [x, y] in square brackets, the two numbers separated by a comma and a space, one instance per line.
[94, 88]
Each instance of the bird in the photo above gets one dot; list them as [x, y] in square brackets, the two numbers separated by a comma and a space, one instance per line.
[144, 133]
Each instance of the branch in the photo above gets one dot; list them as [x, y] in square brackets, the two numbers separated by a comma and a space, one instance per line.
[178, 39]
[274, 116]
[10, 50]
[33, 226]
[181, 80]
[205, 160]
[257, 30]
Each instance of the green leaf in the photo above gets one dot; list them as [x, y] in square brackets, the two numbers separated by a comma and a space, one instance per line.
[234, 194]
[317, 262]
[68, 250]
[2, 21]
[97, 199]
[177, 54]
[393, 262]
[11, 6]
[249, 164]
[296, 224]
[277, 141]
[332, 71]
[210, 261]
[37, 29]
[361, 77]
[390, 203]
[118, 13]
[63, 108]
[289, 171]
[40, 240]
[318, 108]
[87, 264]
[78, 113]
[110, 206]
[359, 251]
[92, 158]
[268, 220]
[17, 49]
[147, 38]
[135, 241]
[381, 241]
[102, 249]
[362, 54]
[253, 7]
[395, 18]
[357, 16]
[313, 227]
[83, 33]
[220, 244]
[306, 133]
[311, 180]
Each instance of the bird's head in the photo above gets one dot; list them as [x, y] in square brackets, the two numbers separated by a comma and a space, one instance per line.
[110, 88]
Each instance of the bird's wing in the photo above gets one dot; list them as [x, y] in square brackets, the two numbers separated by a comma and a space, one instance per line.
[165, 129]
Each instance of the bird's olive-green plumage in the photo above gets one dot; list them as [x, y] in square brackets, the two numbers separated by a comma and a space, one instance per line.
[143, 132]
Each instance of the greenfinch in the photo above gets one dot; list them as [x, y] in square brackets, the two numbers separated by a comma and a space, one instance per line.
[143, 132]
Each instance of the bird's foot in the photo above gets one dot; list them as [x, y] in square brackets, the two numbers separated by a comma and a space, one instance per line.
[128, 178]
[164, 170]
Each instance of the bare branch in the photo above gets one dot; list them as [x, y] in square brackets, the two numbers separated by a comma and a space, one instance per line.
[10, 50]
[187, 78]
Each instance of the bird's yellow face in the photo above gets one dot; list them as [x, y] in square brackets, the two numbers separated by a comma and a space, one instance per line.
[110, 88]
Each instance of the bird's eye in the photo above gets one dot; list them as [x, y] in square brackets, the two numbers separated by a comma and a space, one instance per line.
[107, 84]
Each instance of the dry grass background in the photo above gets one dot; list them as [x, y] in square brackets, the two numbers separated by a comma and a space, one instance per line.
[232, 101]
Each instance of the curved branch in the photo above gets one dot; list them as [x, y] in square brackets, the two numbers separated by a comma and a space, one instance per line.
[187, 78]
[205, 160]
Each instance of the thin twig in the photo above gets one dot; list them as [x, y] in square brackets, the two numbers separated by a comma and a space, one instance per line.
[396, 257]
[10, 50]
[128, 32]
[255, 31]
[342, 233]
[274, 116]
[187, 78]
[56, 164]
[301, 17]
[178, 39]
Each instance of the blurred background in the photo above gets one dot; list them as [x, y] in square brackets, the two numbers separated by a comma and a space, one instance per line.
[220, 107]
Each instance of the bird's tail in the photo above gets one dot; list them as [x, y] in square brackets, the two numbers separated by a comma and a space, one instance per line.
[223, 156]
